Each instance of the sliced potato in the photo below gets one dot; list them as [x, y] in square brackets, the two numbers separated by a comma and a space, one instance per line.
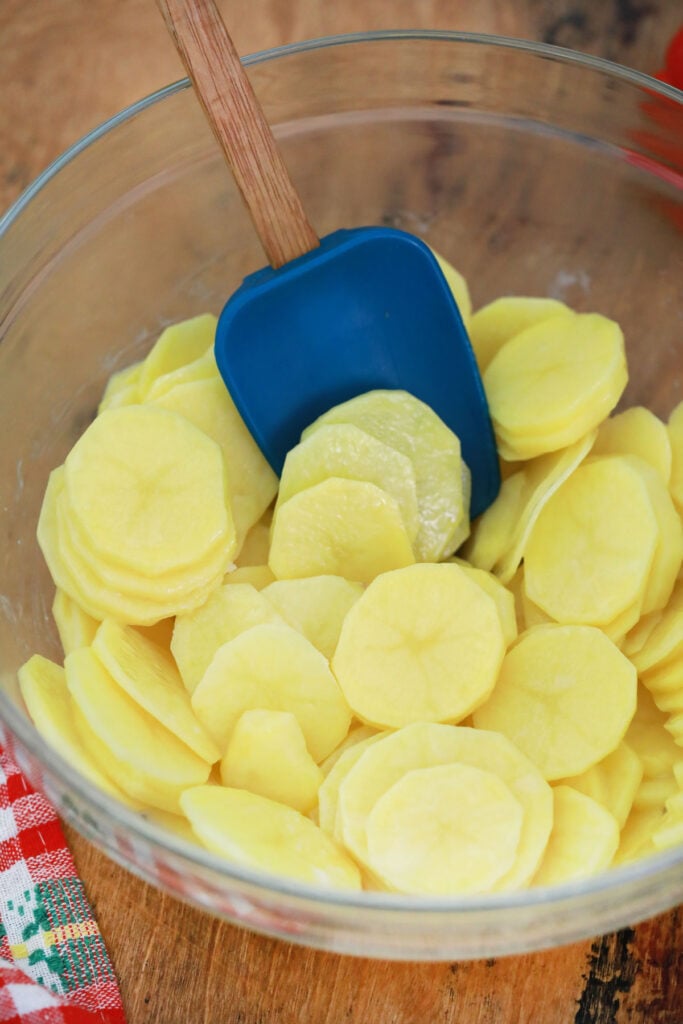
[263, 835]
[636, 431]
[75, 627]
[423, 643]
[273, 667]
[316, 606]
[583, 841]
[178, 345]
[502, 319]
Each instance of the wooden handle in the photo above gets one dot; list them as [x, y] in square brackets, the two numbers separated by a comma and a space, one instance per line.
[240, 126]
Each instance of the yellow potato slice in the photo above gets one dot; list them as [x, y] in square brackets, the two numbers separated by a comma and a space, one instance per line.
[162, 589]
[344, 451]
[149, 676]
[147, 488]
[675, 430]
[122, 388]
[229, 611]
[637, 636]
[666, 562]
[77, 580]
[328, 794]
[443, 483]
[251, 482]
[664, 641]
[160, 633]
[177, 345]
[43, 687]
[635, 840]
[263, 835]
[555, 382]
[648, 737]
[458, 286]
[565, 697]
[653, 793]
[273, 667]
[503, 598]
[444, 830]
[177, 824]
[590, 552]
[674, 725]
[355, 735]
[423, 643]
[542, 477]
[147, 761]
[636, 431]
[496, 323]
[267, 754]
[315, 606]
[583, 841]
[426, 745]
[203, 368]
[612, 782]
[339, 528]
[75, 627]
[669, 832]
[493, 530]
[259, 576]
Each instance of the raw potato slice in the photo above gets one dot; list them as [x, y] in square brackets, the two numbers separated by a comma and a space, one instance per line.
[75, 627]
[162, 589]
[636, 431]
[356, 735]
[160, 633]
[666, 562]
[422, 644]
[648, 737]
[267, 754]
[260, 834]
[653, 793]
[203, 368]
[504, 598]
[612, 782]
[496, 323]
[492, 531]
[443, 483]
[44, 690]
[315, 606]
[458, 285]
[274, 667]
[143, 758]
[444, 830]
[665, 639]
[565, 697]
[589, 554]
[542, 477]
[635, 840]
[675, 428]
[122, 388]
[79, 582]
[349, 453]
[328, 794]
[229, 611]
[251, 482]
[555, 382]
[147, 488]
[175, 823]
[176, 346]
[427, 745]
[150, 677]
[339, 528]
[583, 841]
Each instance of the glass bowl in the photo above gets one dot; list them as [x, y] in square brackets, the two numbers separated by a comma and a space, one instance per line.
[533, 169]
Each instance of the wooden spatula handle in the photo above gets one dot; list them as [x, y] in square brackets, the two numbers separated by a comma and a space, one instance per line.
[240, 126]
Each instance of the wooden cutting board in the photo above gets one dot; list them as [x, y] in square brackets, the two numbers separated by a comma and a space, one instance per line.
[175, 964]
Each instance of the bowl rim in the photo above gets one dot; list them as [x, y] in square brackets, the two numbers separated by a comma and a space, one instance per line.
[373, 902]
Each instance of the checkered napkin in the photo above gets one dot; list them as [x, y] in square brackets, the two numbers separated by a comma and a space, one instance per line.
[54, 968]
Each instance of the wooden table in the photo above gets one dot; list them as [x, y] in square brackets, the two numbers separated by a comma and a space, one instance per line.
[65, 65]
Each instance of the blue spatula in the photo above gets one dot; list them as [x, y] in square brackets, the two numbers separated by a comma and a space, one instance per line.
[329, 319]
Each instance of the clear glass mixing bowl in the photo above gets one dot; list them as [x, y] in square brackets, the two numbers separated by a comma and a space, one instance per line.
[533, 169]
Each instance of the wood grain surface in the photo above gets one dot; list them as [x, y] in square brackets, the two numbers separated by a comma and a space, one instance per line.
[65, 65]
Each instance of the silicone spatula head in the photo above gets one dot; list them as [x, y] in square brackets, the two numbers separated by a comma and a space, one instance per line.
[362, 309]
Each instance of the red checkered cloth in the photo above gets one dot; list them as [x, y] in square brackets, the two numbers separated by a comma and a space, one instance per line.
[54, 968]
